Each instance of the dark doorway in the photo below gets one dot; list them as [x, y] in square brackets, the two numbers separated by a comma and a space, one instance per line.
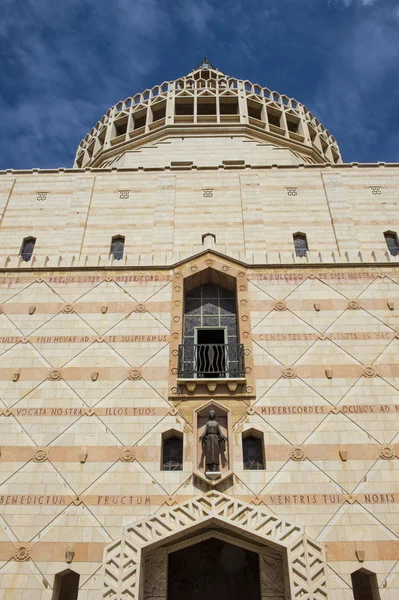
[210, 358]
[365, 585]
[66, 585]
[213, 570]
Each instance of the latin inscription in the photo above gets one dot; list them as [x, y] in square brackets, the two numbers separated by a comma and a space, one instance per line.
[301, 276]
[142, 411]
[149, 411]
[145, 500]
[78, 339]
[282, 337]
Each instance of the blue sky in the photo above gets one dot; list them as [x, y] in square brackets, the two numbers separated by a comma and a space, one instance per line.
[65, 62]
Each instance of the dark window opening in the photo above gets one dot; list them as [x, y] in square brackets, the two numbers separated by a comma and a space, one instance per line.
[66, 586]
[228, 107]
[274, 118]
[184, 107]
[392, 242]
[206, 108]
[293, 125]
[210, 356]
[365, 585]
[252, 451]
[90, 150]
[301, 244]
[158, 113]
[255, 111]
[117, 247]
[101, 137]
[324, 145]
[139, 121]
[28, 245]
[172, 453]
[120, 127]
[312, 133]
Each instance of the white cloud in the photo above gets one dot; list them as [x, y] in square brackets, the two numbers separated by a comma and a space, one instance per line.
[197, 15]
[348, 3]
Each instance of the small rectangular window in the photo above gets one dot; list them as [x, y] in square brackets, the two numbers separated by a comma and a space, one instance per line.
[301, 244]
[172, 453]
[28, 245]
[117, 247]
[252, 450]
[391, 238]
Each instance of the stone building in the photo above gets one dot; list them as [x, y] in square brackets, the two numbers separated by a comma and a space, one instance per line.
[209, 250]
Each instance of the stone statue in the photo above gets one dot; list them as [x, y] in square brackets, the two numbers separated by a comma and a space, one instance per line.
[213, 442]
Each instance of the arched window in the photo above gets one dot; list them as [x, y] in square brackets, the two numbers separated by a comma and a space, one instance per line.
[252, 451]
[66, 585]
[301, 244]
[391, 238]
[28, 245]
[172, 451]
[209, 240]
[365, 585]
[117, 247]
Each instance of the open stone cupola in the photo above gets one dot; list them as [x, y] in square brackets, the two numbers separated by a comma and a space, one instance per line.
[205, 103]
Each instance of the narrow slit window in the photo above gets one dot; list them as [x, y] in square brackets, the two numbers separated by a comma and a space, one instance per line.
[391, 238]
[117, 247]
[301, 244]
[172, 453]
[66, 585]
[365, 585]
[28, 245]
[252, 451]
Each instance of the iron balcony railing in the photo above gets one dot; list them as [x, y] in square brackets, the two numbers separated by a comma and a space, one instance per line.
[211, 360]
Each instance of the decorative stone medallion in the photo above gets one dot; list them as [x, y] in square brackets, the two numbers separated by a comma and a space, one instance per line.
[387, 452]
[288, 373]
[127, 455]
[134, 374]
[40, 455]
[68, 308]
[280, 305]
[140, 308]
[353, 305]
[22, 554]
[369, 372]
[55, 374]
[298, 453]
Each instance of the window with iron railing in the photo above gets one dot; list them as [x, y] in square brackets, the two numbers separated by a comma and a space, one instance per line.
[210, 346]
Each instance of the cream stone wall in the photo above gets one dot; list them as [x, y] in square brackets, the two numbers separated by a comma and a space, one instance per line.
[87, 390]
[252, 211]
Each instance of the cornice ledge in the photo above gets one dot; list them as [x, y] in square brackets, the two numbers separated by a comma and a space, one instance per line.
[172, 260]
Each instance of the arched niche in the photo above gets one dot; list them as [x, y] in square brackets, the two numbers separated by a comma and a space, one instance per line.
[223, 417]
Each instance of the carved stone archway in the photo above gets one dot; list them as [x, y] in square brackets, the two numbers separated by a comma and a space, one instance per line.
[124, 558]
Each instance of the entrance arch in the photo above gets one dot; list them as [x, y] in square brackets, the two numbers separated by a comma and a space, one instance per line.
[124, 559]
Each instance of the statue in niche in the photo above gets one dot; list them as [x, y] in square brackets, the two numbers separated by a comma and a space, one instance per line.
[213, 443]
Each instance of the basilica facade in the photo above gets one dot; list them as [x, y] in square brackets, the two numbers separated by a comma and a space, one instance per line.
[199, 358]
